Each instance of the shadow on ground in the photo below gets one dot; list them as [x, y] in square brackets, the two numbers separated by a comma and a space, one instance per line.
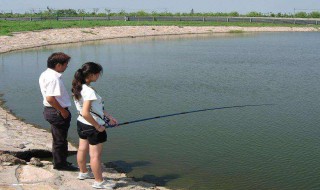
[125, 167]
[158, 180]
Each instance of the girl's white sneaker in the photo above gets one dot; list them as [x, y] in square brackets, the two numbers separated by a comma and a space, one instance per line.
[87, 175]
[105, 184]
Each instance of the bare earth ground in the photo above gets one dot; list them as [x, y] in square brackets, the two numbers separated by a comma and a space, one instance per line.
[72, 35]
[19, 137]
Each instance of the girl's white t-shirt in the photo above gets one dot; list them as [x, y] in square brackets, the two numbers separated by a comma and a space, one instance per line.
[87, 93]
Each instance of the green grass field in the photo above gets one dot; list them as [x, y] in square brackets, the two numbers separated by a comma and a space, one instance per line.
[8, 27]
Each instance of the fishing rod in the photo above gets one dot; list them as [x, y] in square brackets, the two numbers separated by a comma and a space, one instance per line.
[187, 112]
[181, 113]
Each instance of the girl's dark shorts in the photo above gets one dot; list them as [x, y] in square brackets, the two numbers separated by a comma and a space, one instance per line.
[89, 133]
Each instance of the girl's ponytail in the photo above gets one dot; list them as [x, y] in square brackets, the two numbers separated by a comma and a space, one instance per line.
[77, 82]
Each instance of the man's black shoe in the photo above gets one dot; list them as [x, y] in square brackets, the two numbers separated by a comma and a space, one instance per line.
[66, 168]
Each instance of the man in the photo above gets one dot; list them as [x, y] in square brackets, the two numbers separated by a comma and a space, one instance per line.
[56, 102]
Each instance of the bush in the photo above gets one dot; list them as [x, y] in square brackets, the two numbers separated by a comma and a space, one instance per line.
[301, 15]
[315, 14]
[254, 14]
[234, 14]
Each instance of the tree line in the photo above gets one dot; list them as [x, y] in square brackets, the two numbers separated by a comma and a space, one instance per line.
[107, 12]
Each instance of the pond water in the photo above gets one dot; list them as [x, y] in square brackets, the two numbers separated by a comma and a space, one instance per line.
[258, 147]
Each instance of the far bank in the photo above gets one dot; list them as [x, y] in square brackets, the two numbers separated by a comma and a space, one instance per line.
[41, 38]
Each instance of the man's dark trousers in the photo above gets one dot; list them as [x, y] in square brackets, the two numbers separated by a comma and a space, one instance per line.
[59, 130]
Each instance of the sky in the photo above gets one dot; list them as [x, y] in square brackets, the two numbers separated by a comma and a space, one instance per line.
[241, 6]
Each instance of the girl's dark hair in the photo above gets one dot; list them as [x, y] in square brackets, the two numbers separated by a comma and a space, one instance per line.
[57, 58]
[81, 75]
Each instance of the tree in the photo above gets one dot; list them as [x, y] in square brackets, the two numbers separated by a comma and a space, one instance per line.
[154, 13]
[81, 12]
[66, 12]
[108, 11]
[192, 12]
[95, 10]
[49, 10]
[122, 13]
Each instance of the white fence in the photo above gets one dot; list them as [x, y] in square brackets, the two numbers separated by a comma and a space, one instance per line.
[178, 18]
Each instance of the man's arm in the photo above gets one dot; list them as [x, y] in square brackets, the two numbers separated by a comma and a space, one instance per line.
[54, 103]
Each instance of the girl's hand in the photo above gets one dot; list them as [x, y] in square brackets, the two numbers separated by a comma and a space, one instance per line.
[101, 128]
[113, 121]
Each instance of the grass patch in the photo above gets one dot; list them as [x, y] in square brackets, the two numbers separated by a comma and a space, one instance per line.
[7, 27]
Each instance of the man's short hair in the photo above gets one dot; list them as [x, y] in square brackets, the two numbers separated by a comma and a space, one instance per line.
[57, 58]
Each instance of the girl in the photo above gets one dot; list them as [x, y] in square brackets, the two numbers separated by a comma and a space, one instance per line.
[90, 123]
